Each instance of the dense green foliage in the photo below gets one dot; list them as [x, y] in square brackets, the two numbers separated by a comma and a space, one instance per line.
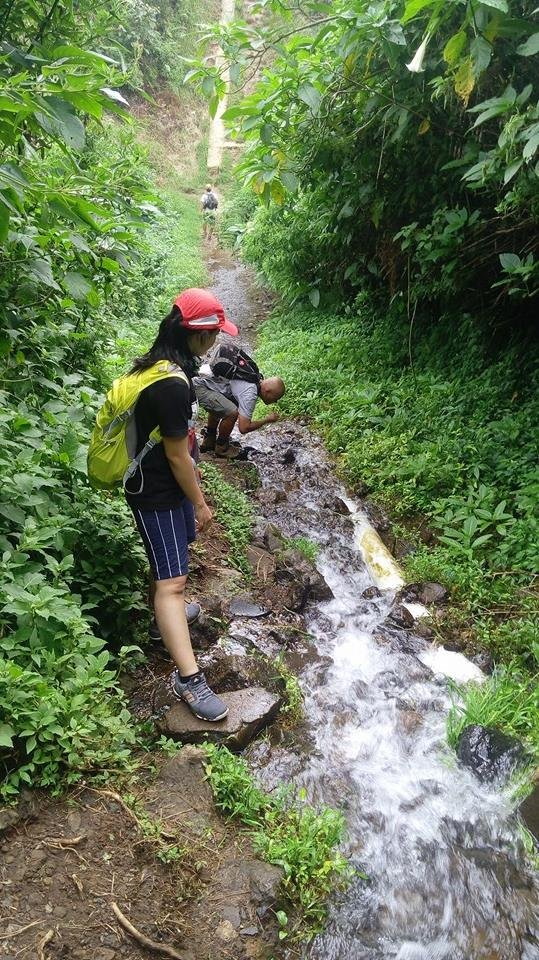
[286, 832]
[396, 147]
[233, 511]
[78, 285]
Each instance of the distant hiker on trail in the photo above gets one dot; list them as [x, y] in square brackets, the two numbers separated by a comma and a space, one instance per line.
[209, 204]
[228, 389]
[143, 435]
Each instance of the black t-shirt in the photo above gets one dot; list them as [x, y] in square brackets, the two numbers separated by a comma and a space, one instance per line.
[167, 405]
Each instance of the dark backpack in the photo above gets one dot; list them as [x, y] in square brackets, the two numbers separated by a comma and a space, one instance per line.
[231, 363]
[210, 202]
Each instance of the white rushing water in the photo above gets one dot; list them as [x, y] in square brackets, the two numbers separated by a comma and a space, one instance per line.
[447, 877]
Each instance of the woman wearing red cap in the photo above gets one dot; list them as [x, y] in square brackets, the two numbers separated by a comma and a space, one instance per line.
[164, 495]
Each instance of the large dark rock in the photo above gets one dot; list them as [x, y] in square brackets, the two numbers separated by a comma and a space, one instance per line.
[371, 593]
[245, 606]
[250, 710]
[261, 562]
[272, 538]
[529, 809]
[302, 578]
[491, 755]
[401, 617]
[252, 884]
[428, 593]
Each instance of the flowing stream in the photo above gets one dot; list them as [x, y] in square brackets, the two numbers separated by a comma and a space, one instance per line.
[447, 875]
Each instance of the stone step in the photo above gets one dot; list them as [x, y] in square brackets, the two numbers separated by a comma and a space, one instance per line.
[250, 710]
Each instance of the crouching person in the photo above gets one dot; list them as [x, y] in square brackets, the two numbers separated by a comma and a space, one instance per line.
[228, 390]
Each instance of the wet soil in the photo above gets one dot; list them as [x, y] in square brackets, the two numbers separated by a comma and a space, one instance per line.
[62, 870]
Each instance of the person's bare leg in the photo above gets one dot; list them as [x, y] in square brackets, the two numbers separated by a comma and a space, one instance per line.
[213, 421]
[226, 427]
[169, 605]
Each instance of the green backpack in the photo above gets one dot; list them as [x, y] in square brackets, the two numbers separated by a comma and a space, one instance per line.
[112, 457]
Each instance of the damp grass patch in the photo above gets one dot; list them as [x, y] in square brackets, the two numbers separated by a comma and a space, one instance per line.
[308, 548]
[508, 701]
[292, 710]
[287, 832]
[233, 511]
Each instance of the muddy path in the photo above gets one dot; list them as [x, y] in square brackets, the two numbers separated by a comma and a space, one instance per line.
[448, 878]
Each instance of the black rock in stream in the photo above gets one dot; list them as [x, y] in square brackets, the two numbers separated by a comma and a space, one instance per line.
[491, 755]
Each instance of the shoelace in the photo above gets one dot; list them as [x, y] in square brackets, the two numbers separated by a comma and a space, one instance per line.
[203, 691]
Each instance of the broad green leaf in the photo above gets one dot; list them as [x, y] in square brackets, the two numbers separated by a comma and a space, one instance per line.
[454, 47]
[497, 4]
[289, 180]
[6, 735]
[465, 79]
[413, 7]
[314, 297]
[481, 53]
[531, 147]
[509, 261]
[511, 170]
[13, 513]
[41, 270]
[76, 285]
[62, 122]
[310, 96]
[4, 221]
[530, 47]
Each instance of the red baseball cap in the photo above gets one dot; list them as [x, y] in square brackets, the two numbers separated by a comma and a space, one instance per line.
[202, 311]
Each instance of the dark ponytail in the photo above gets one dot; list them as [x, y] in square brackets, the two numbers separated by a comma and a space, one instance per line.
[171, 343]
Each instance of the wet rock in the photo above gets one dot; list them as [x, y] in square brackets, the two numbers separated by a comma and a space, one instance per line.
[428, 593]
[401, 617]
[484, 660]
[341, 507]
[255, 882]
[423, 630]
[250, 710]
[244, 606]
[206, 631]
[303, 579]
[289, 456]
[529, 808]
[271, 496]
[371, 593]
[261, 562]
[226, 672]
[491, 755]
[272, 538]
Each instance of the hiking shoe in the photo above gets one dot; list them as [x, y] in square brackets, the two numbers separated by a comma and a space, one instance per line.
[192, 613]
[208, 443]
[229, 450]
[200, 698]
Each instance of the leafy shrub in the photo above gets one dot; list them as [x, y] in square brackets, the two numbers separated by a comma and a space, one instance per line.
[233, 511]
[285, 832]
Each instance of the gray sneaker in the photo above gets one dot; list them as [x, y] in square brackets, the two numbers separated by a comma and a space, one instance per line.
[200, 698]
[192, 613]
